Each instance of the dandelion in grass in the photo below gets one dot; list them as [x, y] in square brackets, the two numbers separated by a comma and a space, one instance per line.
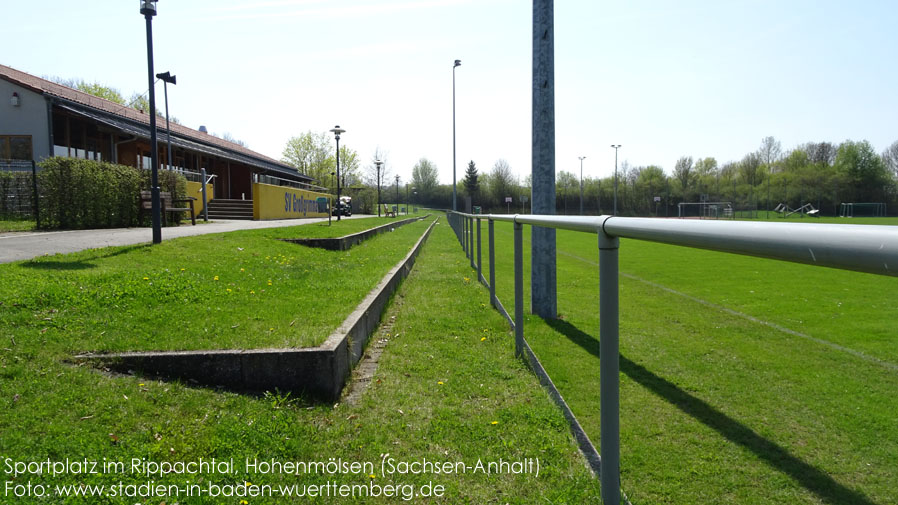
[440, 383]
[228, 290]
[146, 278]
[494, 423]
[269, 282]
[482, 339]
[372, 476]
[215, 278]
[242, 270]
[252, 292]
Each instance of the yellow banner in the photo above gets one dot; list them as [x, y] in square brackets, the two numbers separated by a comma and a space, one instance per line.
[280, 202]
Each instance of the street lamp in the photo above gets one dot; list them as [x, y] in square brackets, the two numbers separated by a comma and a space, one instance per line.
[581, 183]
[378, 164]
[616, 147]
[148, 9]
[397, 195]
[454, 189]
[336, 130]
[167, 79]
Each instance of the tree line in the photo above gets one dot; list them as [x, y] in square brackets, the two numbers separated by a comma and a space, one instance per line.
[821, 174]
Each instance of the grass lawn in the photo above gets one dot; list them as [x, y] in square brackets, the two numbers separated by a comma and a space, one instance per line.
[16, 224]
[717, 407]
[447, 389]
[219, 291]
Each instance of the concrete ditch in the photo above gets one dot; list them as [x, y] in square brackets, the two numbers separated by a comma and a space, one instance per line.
[348, 241]
[319, 372]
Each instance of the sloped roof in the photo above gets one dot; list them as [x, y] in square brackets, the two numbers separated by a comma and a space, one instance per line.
[49, 88]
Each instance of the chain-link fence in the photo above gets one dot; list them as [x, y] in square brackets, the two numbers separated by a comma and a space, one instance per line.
[18, 187]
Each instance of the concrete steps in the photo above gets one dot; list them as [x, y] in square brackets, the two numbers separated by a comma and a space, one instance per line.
[221, 208]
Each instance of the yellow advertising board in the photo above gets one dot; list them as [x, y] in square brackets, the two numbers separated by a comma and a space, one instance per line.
[195, 189]
[280, 202]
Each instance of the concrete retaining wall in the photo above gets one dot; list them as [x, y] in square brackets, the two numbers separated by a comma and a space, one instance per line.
[318, 372]
[348, 241]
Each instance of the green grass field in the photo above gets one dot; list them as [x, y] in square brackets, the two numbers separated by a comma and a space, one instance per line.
[447, 389]
[743, 380]
[219, 291]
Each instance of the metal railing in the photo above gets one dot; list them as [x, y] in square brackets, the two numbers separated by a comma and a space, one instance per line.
[864, 248]
[18, 189]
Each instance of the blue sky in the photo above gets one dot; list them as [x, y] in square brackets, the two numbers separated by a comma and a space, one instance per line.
[664, 79]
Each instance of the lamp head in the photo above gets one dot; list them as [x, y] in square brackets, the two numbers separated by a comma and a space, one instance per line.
[336, 130]
[457, 63]
[148, 7]
[167, 77]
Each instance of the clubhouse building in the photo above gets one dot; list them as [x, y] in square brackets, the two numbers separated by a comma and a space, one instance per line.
[41, 119]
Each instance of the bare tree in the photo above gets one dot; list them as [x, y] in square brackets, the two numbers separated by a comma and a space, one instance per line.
[890, 158]
[370, 175]
[503, 183]
[770, 151]
[821, 153]
[684, 174]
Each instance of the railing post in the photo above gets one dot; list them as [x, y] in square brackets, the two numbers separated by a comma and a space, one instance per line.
[609, 368]
[37, 209]
[479, 255]
[518, 290]
[471, 241]
[492, 255]
[464, 234]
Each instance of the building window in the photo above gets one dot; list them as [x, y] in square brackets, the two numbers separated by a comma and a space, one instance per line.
[16, 147]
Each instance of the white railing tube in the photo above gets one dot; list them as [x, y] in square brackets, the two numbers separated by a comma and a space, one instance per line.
[872, 249]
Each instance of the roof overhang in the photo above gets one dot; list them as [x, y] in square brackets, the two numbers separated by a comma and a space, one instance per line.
[143, 131]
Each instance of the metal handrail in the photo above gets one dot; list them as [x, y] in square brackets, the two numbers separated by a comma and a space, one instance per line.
[864, 248]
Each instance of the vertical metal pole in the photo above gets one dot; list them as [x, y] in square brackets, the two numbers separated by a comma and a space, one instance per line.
[609, 368]
[518, 290]
[37, 210]
[205, 201]
[542, 244]
[167, 123]
[156, 203]
[339, 209]
[471, 242]
[492, 255]
[454, 191]
[479, 255]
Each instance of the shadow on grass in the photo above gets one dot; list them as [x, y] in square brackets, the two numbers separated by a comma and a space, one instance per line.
[808, 476]
[81, 263]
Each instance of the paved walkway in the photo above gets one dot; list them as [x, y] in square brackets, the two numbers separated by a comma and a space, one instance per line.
[16, 246]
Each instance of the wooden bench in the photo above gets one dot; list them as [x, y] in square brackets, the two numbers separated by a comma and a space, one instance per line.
[388, 212]
[146, 203]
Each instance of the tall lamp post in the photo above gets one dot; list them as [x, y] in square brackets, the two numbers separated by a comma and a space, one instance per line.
[616, 147]
[397, 195]
[581, 183]
[336, 130]
[148, 9]
[167, 79]
[454, 189]
[378, 164]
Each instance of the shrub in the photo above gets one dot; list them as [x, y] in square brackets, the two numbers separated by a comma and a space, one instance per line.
[79, 194]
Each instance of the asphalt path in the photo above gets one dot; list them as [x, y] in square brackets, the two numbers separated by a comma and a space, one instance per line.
[17, 246]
